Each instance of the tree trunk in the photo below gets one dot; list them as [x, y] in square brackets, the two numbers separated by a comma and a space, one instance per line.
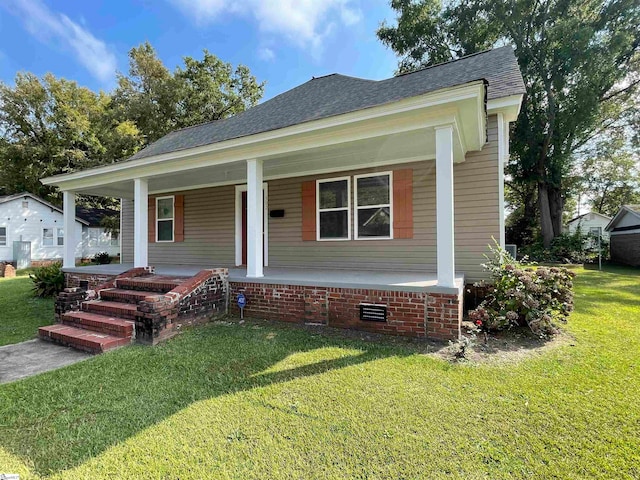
[546, 222]
[556, 207]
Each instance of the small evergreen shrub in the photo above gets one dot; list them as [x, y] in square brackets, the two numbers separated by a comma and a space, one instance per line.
[523, 295]
[47, 281]
[102, 258]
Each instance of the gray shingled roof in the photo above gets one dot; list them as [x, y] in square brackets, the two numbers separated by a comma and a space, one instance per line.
[337, 94]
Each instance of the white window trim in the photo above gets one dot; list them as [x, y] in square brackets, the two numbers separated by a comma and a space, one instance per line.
[57, 236]
[6, 236]
[54, 238]
[239, 190]
[357, 207]
[340, 209]
[173, 219]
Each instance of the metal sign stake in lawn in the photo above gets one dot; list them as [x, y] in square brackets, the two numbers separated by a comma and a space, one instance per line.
[242, 302]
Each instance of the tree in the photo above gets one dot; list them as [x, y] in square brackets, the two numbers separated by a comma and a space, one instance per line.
[211, 89]
[148, 96]
[50, 126]
[611, 176]
[159, 101]
[579, 60]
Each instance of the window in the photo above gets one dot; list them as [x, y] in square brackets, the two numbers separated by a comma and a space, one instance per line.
[25, 204]
[3, 236]
[164, 219]
[93, 237]
[595, 231]
[373, 206]
[47, 237]
[114, 240]
[334, 205]
[52, 237]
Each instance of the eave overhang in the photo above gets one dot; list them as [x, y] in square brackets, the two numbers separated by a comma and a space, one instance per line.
[464, 107]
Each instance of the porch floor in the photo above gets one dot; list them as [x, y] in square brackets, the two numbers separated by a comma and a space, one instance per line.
[407, 281]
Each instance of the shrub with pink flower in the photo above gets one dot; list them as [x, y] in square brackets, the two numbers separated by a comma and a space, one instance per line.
[519, 295]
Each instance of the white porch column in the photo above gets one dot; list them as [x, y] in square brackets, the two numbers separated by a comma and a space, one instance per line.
[140, 223]
[444, 206]
[69, 225]
[503, 157]
[255, 220]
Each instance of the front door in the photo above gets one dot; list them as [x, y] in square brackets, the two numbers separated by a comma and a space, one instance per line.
[243, 226]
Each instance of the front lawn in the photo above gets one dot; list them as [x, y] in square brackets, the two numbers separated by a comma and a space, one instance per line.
[20, 312]
[265, 401]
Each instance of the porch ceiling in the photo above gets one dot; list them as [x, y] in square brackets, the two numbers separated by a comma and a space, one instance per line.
[391, 149]
[397, 133]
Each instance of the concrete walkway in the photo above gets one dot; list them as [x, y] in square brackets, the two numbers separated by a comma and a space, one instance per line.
[29, 358]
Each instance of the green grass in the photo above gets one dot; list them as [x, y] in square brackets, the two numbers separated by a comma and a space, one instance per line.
[256, 401]
[20, 312]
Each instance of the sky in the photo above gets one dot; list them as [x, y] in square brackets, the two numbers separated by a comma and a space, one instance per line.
[283, 42]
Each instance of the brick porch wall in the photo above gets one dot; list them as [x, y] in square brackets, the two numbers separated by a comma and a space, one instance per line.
[415, 314]
[72, 280]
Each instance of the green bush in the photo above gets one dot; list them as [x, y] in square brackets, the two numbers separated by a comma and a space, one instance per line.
[101, 258]
[566, 248]
[48, 281]
[523, 295]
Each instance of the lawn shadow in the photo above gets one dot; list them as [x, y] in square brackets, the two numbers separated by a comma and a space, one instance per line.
[58, 420]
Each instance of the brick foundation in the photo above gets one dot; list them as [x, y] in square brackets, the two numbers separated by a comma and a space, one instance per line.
[44, 263]
[209, 293]
[415, 314]
[444, 315]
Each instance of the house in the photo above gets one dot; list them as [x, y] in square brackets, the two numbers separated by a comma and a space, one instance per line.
[346, 202]
[624, 231]
[95, 238]
[32, 232]
[591, 223]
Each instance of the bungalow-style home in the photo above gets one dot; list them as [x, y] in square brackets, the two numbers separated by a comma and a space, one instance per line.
[591, 223]
[624, 231]
[344, 202]
[32, 232]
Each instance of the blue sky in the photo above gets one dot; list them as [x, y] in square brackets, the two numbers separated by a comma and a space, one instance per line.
[284, 42]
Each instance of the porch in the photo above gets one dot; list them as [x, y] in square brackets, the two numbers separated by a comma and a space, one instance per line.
[400, 303]
[406, 281]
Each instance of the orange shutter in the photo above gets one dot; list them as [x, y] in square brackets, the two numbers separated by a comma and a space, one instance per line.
[152, 219]
[403, 203]
[309, 210]
[178, 208]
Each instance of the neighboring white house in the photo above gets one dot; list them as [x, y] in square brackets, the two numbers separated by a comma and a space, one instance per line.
[27, 218]
[590, 223]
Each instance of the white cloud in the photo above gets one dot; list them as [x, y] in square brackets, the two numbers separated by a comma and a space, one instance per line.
[304, 23]
[266, 54]
[49, 26]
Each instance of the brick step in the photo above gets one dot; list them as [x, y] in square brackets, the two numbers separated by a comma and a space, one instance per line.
[150, 283]
[81, 339]
[99, 323]
[125, 296]
[125, 311]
